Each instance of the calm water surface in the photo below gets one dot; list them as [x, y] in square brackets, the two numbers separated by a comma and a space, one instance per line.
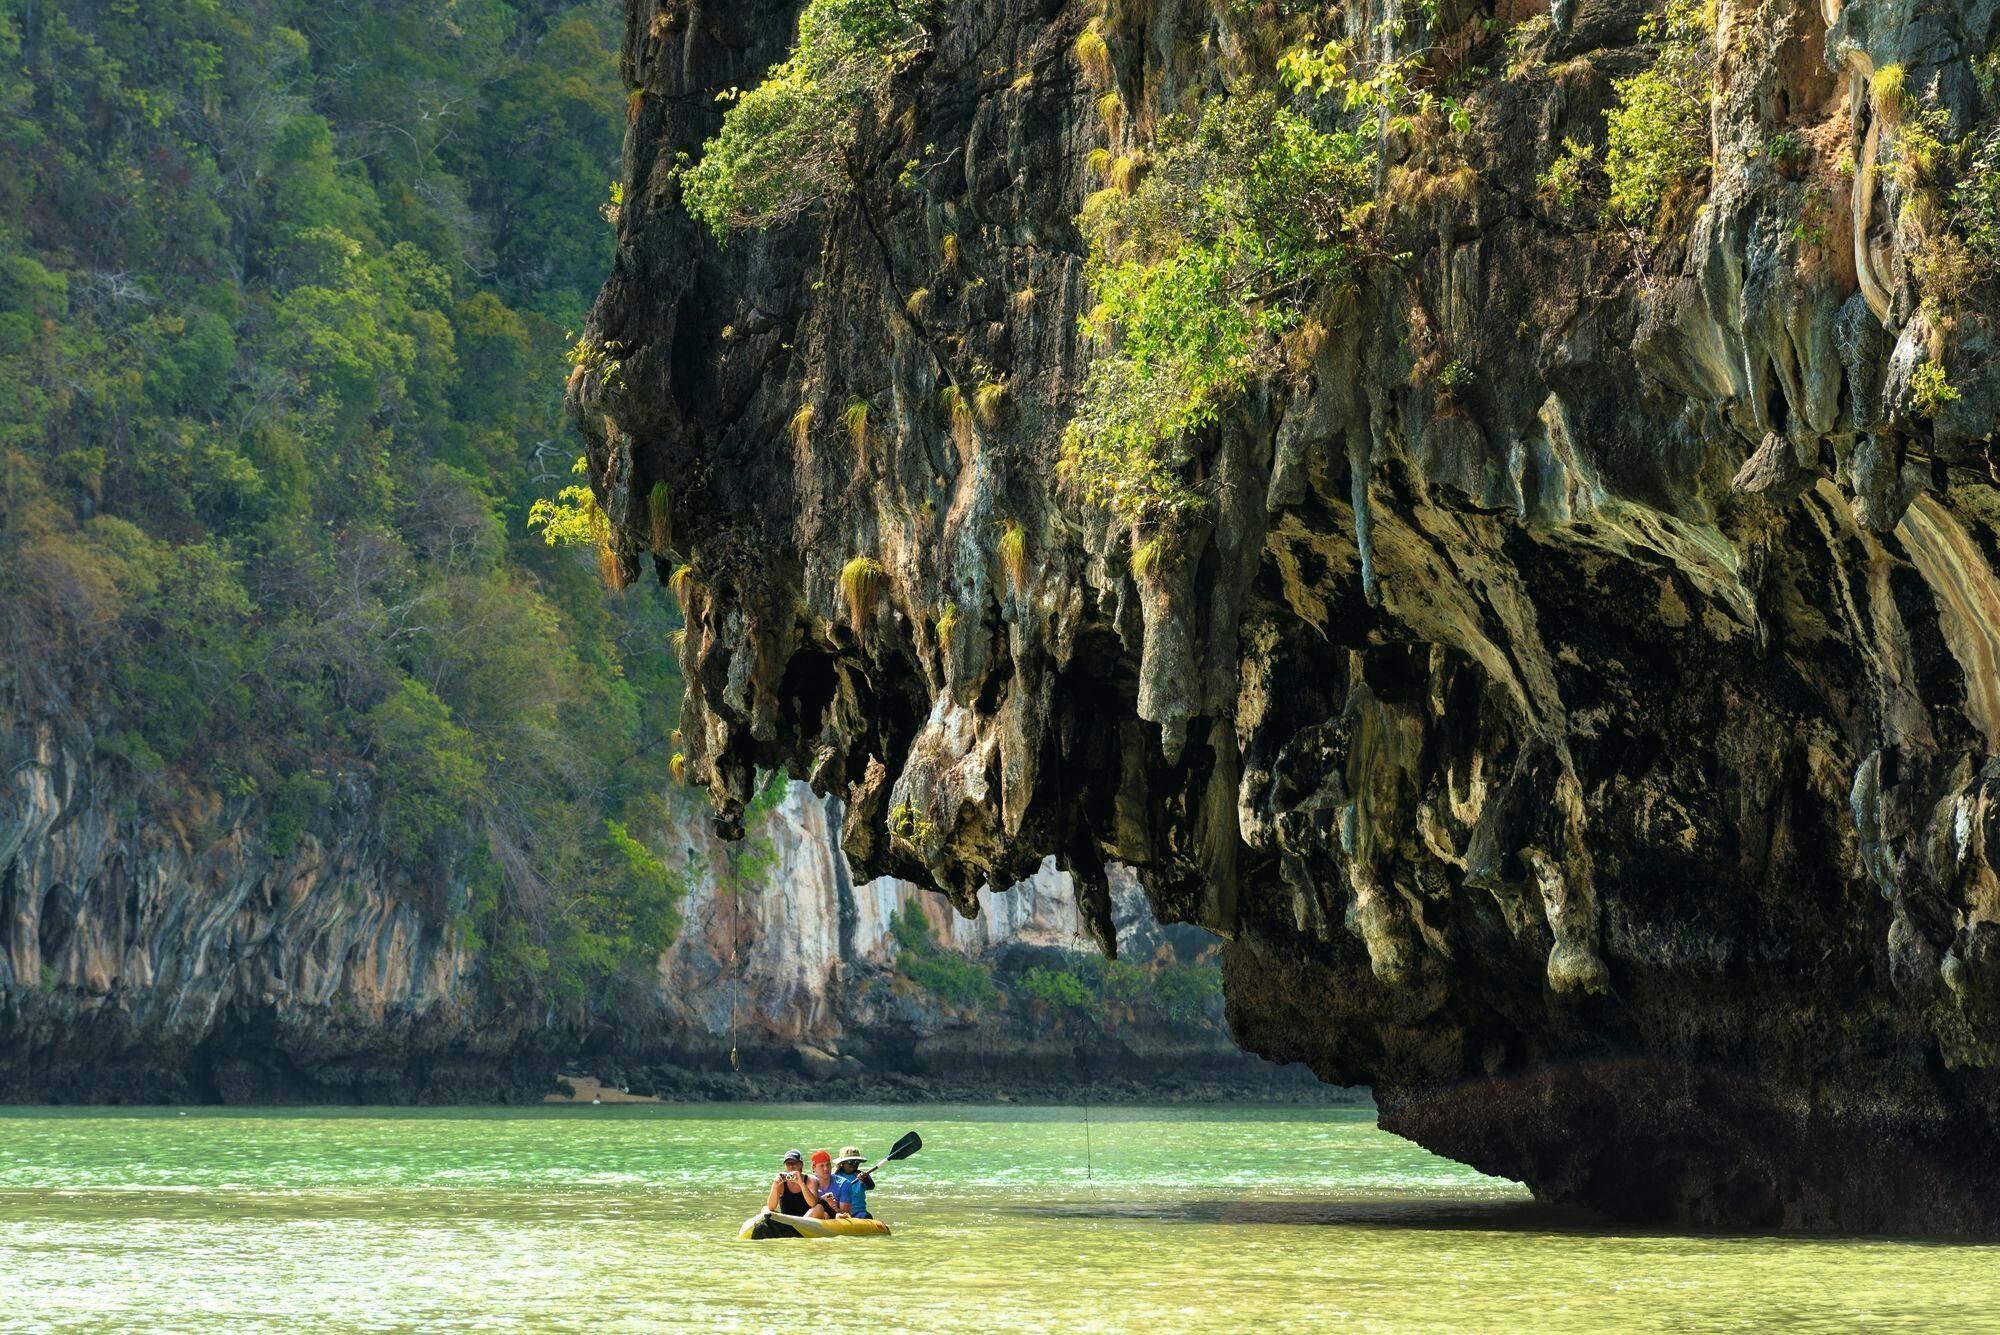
[624, 1218]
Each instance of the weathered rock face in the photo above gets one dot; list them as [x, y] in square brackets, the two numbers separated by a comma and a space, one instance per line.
[1598, 760]
[146, 960]
[798, 959]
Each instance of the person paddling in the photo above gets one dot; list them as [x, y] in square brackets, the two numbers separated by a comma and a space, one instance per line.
[791, 1193]
[850, 1184]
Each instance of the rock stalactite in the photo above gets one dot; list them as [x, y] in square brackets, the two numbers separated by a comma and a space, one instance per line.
[1595, 753]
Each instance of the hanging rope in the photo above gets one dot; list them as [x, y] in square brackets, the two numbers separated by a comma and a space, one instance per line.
[1083, 1060]
[1088, 1174]
[735, 981]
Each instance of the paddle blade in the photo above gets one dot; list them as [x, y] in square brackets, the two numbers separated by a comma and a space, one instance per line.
[908, 1145]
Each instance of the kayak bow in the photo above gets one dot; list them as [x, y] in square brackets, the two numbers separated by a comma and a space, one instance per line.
[766, 1224]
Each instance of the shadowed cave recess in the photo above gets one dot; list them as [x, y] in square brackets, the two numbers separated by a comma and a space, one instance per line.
[1591, 749]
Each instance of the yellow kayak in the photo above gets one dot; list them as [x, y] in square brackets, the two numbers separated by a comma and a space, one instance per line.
[766, 1224]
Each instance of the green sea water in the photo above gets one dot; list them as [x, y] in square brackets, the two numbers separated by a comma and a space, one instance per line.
[624, 1217]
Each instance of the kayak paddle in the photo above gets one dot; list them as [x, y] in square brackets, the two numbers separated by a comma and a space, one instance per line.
[902, 1149]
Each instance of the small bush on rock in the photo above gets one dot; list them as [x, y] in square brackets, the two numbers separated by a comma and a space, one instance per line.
[1657, 138]
[784, 145]
[1242, 223]
[1930, 390]
[1566, 178]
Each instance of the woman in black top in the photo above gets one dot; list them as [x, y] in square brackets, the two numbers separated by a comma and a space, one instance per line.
[790, 1193]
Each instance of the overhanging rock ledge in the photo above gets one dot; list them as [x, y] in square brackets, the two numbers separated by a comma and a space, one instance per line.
[1596, 755]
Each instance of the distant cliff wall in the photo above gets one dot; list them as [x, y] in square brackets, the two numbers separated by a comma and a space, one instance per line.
[149, 958]
[812, 935]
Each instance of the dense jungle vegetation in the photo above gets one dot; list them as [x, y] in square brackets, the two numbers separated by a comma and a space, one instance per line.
[284, 290]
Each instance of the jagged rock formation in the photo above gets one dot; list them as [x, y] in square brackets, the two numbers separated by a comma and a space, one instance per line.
[1597, 759]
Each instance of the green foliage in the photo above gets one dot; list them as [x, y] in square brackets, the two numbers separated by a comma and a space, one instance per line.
[1949, 226]
[281, 285]
[947, 975]
[573, 518]
[1086, 988]
[908, 823]
[1242, 223]
[1810, 227]
[1455, 377]
[1930, 390]
[1568, 175]
[1919, 152]
[1187, 993]
[1657, 137]
[784, 145]
[1785, 149]
[1396, 91]
[751, 859]
[1058, 991]
[1521, 40]
[428, 768]
[643, 920]
[293, 803]
[1975, 199]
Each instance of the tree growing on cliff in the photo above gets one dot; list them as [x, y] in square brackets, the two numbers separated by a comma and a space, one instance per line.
[785, 145]
[429, 769]
[1657, 138]
[1245, 220]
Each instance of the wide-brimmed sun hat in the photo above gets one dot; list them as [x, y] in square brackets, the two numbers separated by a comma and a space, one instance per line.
[849, 1155]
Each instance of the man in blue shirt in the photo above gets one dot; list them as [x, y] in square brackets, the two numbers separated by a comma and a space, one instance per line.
[850, 1184]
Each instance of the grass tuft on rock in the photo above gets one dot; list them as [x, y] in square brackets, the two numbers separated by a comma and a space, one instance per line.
[854, 418]
[861, 582]
[1094, 55]
[659, 517]
[1014, 553]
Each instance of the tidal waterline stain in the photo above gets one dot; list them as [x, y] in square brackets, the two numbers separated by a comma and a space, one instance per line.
[623, 1217]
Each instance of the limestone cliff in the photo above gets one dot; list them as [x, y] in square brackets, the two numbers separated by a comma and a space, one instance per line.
[148, 958]
[1594, 751]
[801, 976]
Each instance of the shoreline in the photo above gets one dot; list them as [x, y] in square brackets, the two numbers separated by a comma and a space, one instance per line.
[683, 1087]
[578, 1085]
[686, 1074]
